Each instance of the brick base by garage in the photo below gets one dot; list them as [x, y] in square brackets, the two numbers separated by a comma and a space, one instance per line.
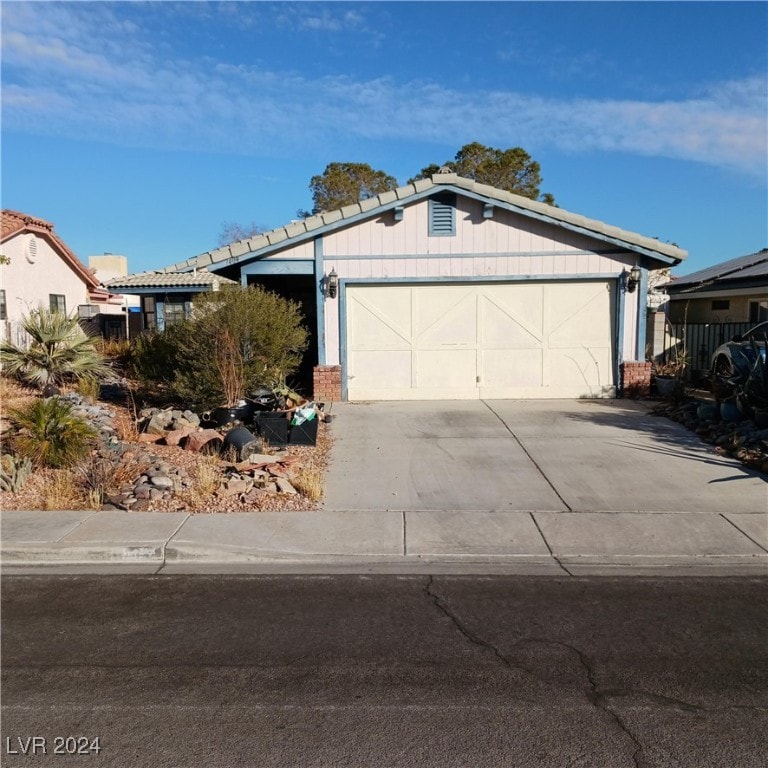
[326, 383]
[636, 379]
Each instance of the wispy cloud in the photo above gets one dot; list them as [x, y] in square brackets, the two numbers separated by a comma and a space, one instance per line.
[99, 75]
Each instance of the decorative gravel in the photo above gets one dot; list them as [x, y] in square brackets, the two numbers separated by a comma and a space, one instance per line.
[171, 475]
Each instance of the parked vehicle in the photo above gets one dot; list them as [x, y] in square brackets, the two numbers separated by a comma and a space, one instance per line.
[735, 363]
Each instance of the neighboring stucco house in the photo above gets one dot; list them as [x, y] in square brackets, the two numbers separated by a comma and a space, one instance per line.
[734, 291]
[446, 288]
[40, 270]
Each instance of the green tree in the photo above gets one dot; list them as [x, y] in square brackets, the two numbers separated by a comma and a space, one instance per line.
[60, 352]
[512, 170]
[343, 184]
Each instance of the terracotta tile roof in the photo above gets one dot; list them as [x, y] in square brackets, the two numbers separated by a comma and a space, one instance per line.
[14, 222]
[199, 279]
[298, 230]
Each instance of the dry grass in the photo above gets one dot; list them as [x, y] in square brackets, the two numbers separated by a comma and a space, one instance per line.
[207, 476]
[125, 426]
[13, 395]
[64, 491]
[88, 389]
[308, 481]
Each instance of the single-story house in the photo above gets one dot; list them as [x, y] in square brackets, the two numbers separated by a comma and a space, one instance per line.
[166, 297]
[733, 291]
[446, 288]
[39, 270]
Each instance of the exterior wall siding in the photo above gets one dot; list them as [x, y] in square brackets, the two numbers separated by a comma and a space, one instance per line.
[505, 246]
[28, 285]
[699, 310]
[506, 232]
[303, 250]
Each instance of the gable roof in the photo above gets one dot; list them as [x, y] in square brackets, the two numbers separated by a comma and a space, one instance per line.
[14, 222]
[750, 268]
[298, 231]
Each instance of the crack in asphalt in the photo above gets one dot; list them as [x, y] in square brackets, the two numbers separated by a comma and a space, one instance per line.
[468, 634]
[595, 696]
[600, 701]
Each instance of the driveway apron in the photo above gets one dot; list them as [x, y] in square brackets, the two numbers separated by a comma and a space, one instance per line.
[529, 455]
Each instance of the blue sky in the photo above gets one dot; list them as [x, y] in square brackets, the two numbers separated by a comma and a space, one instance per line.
[140, 128]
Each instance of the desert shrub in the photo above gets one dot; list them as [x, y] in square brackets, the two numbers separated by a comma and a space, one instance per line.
[50, 434]
[237, 340]
[154, 356]
[118, 353]
[60, 352]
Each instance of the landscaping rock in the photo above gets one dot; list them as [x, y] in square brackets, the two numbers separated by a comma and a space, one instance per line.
[740, 439]
[283, 486]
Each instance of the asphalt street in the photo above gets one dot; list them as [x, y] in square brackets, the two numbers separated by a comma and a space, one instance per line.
[384, 671]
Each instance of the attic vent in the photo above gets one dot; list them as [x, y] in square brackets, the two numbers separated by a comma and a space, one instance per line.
[442, 220]
[31, 250]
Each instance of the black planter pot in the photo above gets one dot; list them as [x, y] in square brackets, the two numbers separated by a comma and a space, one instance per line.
[273, 426]
[242, 440]
[304, 433]
[220, 417]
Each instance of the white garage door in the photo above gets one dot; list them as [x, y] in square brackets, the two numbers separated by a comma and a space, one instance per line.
[489, 340]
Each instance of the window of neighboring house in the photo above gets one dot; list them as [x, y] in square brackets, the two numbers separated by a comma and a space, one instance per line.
[3, 307]
[758, 311]
[174, 311]
[148, 313]
[721, 304]
[58, 302]
[442, 215]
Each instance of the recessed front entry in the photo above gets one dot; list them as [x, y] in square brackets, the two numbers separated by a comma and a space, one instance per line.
[522, 339]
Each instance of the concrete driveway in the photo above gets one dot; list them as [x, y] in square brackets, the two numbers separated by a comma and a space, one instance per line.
[534, 455]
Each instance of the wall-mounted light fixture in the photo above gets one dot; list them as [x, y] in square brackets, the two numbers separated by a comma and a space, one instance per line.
[398, 212]
[331, 284]
[632, 279]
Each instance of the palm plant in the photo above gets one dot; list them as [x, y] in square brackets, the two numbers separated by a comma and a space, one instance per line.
[60, 352]
[49, 433]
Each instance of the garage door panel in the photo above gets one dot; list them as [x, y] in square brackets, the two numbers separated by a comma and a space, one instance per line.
[381, 318]
[504, 330]
[442, 323]
[500, 367]
[522, 339]
[435, 302]
[381, 369]
[378, 333]
[446, 368]
[521, 304]
[582, 368]
[580, 315]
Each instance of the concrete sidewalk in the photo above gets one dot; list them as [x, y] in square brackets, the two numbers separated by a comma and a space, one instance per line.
[535, 543]
[532, 487]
